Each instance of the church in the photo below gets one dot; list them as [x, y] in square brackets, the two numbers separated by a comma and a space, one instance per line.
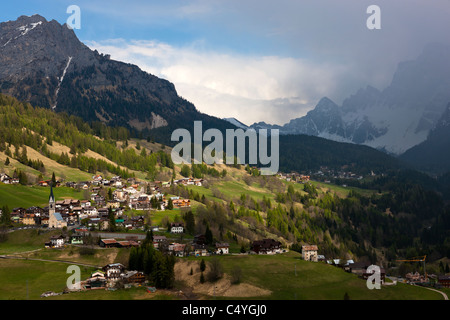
[55, 220]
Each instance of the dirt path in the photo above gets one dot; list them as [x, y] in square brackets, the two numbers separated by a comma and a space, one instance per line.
[46, 260]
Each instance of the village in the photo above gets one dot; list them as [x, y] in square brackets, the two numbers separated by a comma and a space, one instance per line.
[79, 219]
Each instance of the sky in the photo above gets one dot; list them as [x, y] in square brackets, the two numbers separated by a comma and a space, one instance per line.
[263, 60]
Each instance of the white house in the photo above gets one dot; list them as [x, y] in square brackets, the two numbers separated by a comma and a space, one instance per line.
[176, 227]
[57, 241]
[309, 253]
[222, 248]
[113, 271]
[91, 211]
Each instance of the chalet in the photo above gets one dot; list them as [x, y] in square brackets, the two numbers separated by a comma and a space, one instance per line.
[309, 253]
[358, 268]
[133, 277]
[108, 243]
[91, 211]
[198, 182]
[57, 241]
[5, 178]
[113, 271]
[30, 219]
[177, 249]
[96, 180]
[18, 211]
[119, 194]
[141, 203]
[444, 281]
[82, 185]
[85, 203]
[158, 240]
[78, 210]
[37, 211]
[222, 248]
[127, 244]
[114, 204]
[103, 223]
[76, 239]
[266, 246]
[138, 221]
[96, 281]
[44, 221]
[176, 227]
[181, 203]
[99, 200]
[44, 183]
[415, 277]
[103, 212]
[127, 224]
[200, 250]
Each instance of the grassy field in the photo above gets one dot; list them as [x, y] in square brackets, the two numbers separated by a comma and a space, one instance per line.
[25, 240]
[27, 196]
[290, 278]
[287, 276]
[340, 190]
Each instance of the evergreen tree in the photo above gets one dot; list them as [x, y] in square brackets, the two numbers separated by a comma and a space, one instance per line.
[202, 265]
[170, 204]
[208, 235]
[5, 218]
[112, 220]
[189, 221]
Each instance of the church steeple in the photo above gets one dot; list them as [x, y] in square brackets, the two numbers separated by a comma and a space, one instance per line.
[51, 202]
[51, 199]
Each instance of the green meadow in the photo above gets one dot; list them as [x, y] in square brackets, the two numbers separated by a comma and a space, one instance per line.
[27, 196]
[289, 277]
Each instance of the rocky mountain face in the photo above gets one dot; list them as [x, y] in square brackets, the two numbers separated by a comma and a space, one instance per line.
[395, 119]
[44, 63]
[433, 155]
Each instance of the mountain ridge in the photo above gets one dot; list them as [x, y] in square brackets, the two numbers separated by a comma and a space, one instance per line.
[394, 119]
[44, 63]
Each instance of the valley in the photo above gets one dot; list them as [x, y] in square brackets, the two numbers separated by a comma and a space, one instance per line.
[88, 179]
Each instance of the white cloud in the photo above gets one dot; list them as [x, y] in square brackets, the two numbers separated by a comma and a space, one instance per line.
[250, 88]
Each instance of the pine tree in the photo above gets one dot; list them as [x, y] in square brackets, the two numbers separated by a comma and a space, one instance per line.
[7, 161]
[112, 220]
[202, 265]
[208, 235]
[170, 204]
[202, 278]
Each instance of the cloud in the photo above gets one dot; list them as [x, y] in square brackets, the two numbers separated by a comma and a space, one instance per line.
[248, 87]
[272, 60]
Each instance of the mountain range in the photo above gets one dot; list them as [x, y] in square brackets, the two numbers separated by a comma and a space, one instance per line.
[393, 120]
[44, 63]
